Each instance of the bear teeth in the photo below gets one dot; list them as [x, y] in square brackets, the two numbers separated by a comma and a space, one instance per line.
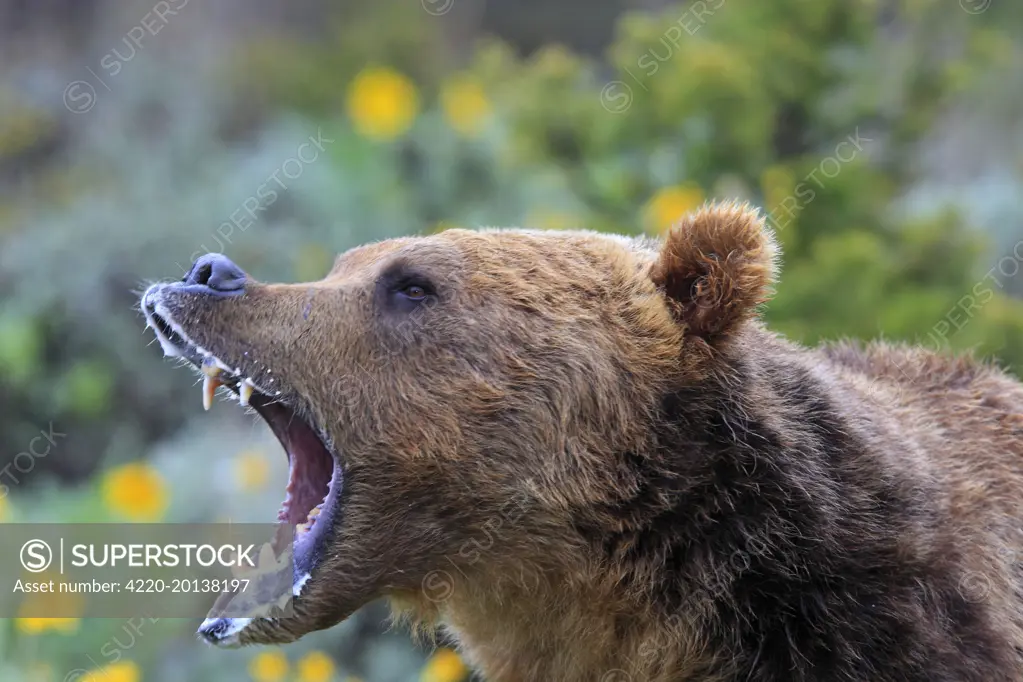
[210, 381]
[245, 391]
[209, 386]
[310, 520]
[213, 371]
[210, 369]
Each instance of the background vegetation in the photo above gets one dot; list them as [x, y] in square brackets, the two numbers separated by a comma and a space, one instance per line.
[881, 137]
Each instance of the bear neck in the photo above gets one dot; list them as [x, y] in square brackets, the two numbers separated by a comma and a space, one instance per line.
[752, 488]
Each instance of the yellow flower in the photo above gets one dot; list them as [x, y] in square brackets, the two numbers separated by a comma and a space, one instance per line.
[251, 470]
[67, 606]
[382, 103]
[315, 666]
[122, 671]
[465, 105]
[444, 666]
[268, 666]
[135, 491]
[37, 626]
[668, 205]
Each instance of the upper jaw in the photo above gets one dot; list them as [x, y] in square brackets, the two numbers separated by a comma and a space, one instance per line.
[244, 377]
[176, 342]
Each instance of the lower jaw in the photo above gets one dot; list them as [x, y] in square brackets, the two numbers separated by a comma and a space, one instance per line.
[297, 555]
[310, 544]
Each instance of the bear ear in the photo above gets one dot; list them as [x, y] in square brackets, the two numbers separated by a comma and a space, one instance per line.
[715, 267]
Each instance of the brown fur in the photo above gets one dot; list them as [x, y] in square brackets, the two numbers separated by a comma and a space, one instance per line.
[586, 459]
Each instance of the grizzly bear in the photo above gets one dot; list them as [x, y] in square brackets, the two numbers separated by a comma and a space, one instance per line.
[584, 457]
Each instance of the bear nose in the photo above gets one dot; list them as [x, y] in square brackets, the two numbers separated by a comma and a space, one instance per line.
[216, 272]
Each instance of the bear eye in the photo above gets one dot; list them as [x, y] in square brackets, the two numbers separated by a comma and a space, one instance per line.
[403, 290]
[414, 292]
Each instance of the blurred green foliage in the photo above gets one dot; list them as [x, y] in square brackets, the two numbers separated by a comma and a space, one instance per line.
[819, 112]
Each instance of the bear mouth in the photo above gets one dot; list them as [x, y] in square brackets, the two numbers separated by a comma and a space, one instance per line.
[315, 474]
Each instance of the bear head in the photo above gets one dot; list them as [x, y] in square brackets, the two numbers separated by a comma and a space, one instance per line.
[457, 408]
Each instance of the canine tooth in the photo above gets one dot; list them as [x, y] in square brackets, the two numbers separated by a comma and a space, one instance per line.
[211, 371]
[315, 512]
[245, 391]
[209, 385]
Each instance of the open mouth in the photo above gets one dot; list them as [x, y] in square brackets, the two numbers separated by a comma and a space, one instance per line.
[315, 476]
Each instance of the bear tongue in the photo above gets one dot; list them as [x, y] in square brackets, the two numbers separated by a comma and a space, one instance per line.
[310, 466]
[308, 487]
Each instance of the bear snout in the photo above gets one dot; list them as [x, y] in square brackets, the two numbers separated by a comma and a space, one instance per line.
[215, 274]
